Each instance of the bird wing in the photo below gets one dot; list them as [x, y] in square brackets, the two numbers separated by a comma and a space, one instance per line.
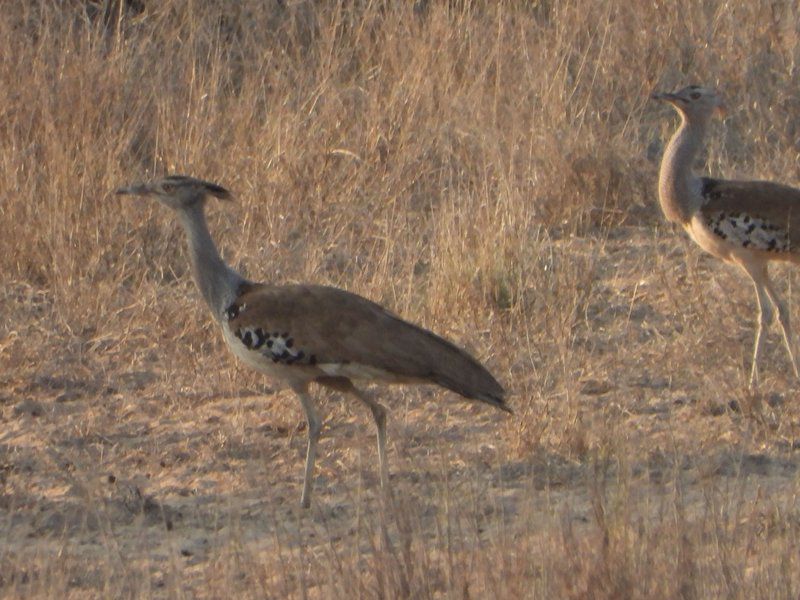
[759, 214]
[343, 334]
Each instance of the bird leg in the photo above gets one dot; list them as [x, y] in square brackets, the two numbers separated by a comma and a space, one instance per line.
[784, 321]
[314, 427]
[379, 414]
[758, 273]
[344, 385]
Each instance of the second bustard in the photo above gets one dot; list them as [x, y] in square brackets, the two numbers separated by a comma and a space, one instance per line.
[747, 223]
[304, 334]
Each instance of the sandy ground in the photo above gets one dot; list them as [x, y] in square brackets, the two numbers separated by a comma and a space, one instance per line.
[122, 472]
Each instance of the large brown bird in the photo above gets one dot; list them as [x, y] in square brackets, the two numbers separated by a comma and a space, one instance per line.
[311, 333]
[747, 223]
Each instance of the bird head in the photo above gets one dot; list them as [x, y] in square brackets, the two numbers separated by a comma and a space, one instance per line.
[694, 102]
[178, 192]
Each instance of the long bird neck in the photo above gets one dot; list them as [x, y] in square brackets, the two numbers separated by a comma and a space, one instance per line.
[677, 185]
[217, 282]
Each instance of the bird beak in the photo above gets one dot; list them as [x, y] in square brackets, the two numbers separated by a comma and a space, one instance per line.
[665, 97]
[137, 189]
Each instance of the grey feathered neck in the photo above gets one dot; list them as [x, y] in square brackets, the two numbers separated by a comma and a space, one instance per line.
[217, 282]
[677, 183]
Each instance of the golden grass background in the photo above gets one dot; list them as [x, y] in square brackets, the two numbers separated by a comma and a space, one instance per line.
[485, 169]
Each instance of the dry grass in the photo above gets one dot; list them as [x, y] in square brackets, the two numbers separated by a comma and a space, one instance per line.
[485, 169]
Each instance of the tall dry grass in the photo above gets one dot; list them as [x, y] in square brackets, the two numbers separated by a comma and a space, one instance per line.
[485, 169]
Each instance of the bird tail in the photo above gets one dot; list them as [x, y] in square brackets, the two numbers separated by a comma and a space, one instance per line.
[419, 354]
[483, 387]
[457, 370]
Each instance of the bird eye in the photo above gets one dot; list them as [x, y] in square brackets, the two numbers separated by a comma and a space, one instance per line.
[168, 188]
[695, 95]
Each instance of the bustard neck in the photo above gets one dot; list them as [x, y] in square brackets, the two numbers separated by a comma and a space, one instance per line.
[678, 187]
[217, 282]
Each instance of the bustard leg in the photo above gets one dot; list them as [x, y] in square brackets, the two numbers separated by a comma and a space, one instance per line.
[785, 323]
[314, 427]
[379, 414]
[758, 273]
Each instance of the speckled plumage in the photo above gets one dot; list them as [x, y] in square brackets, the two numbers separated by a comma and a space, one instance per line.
[302, 334]
[747, 223]
[752, 233]
[332, 332]
[758, 215]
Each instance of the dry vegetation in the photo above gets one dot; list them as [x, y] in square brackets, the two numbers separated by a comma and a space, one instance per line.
[486, 169]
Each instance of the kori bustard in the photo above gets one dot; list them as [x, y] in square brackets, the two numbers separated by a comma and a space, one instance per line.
[301, 334]
[747, 223]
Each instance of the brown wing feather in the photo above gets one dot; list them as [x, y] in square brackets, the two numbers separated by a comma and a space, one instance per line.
[773, 202]
[331, 326]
